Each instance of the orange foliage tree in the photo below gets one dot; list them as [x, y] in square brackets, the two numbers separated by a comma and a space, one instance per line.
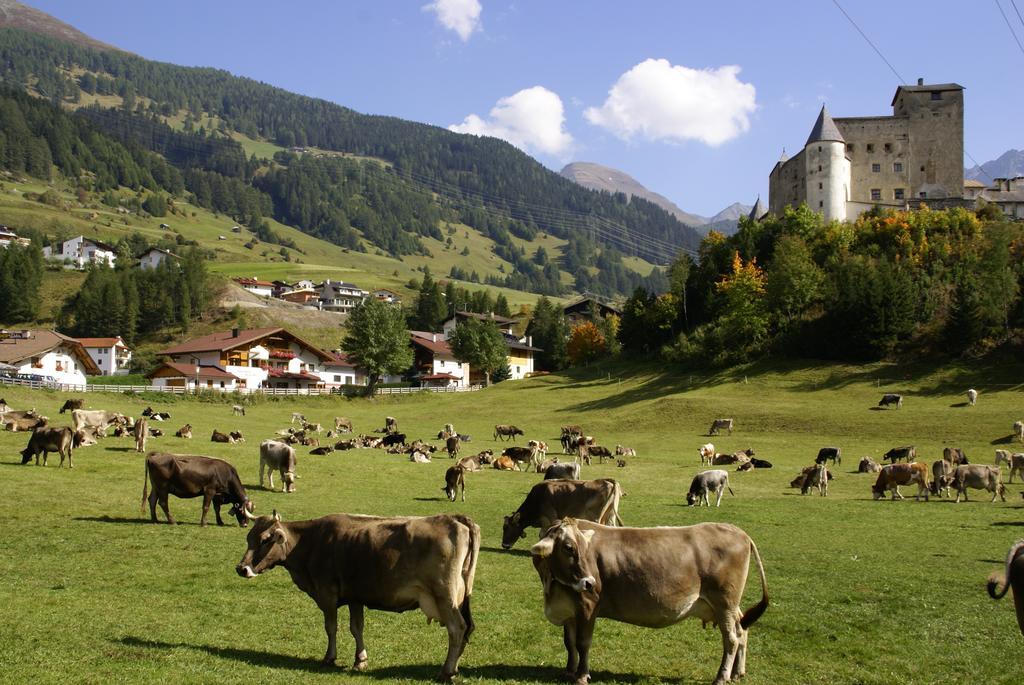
[586, 343]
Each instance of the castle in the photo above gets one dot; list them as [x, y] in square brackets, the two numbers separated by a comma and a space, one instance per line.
[849, 165]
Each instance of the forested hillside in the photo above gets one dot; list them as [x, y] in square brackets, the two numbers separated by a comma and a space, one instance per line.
[424, 176]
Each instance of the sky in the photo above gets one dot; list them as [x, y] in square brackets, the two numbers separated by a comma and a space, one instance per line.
[695, 100]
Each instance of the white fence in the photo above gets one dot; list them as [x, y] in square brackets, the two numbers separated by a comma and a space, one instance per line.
[174, 390]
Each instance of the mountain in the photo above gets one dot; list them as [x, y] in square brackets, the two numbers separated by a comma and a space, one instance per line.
[731, 213]
[15, 15]
[1008, 165]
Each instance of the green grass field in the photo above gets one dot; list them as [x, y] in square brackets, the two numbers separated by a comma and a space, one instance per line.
[861, 591]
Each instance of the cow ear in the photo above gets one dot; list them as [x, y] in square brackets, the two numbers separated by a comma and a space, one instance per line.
[543, 548]
[587, 534]
[277, 517]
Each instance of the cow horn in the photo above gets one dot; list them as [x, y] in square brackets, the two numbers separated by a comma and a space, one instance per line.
[248, 514]
[277, 517]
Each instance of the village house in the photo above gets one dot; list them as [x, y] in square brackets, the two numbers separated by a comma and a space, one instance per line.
[154, 257]
[307, 297]
[521, 350]
[9, 237]
[111, 355]
[584, 309]
[79, 252]
[339, 372]
[256, 286]
[338, 296]
[47, 355]
[385, 295]
[243, 360]
[434, 363]
[1005, 193]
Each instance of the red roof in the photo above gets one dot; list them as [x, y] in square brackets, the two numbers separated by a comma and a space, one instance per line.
[300, 376]
[224, 340]
[189, 371]
[341, 359]
[426, 340]
[101, 342]
[440, 377]
[253, 281]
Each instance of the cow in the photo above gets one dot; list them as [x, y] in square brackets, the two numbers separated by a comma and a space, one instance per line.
[651, 577]
[892, 476]
[868, 465]
[277, 456]
[720, 424]
[313, 428]
[322, 451]
[1016, 466]
[569, 471]
[140, 432]
[48, 440]
[817, 477]
[237, 410]
[541, 449]
[446, 432]
[1013, 577]
[715, 480]
[798, 482]
[4, 407]
[392, 439]
[220, 437]
[504, 463]
[972, 397]
[306, 442]
[184, 432]
[1003, 457]
[760, 463]
[1018, 430]
[189, 476]
[978, 477]
[599, 451]
[906, 452]
[726, 459]
[390, 425]
[418, 457]
[506, 432]
[83, 438]
[455, 479]
[392, 564]
[891, 398]
[569, 433]
[475, 462]
[29, 424]
[236, 436]
[452, 445]
[342, 424]
[551, 500]
[71, 405]
[621, 451]
[707, 453]
[826, 453]
[954, 455]
[155, 433]
[520, 455]
[942, 477]
[298, 417]
[95, 418]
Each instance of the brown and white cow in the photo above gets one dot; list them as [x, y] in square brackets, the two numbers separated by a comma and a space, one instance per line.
[217, 436]
[978, 477]
[392, 564]
[342, 424]
[550, 500]
[892, 476]
[650, 577]
[868, 465]
[1013, 578]
[817, 477]
[184, 432]
[707, 453]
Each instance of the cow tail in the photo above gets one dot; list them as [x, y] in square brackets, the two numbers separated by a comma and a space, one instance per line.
[611, 507]
[469, 574]
[754, 612]
[994, 580]
[145, 485]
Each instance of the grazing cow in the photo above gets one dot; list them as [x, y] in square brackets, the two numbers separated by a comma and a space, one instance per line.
[475, 462]
[392, 439]
[29, 424]
[954, 455]
[551, 500]
[184, 432]
[390, 425]
[621, 451]
[891, 398]
[569, 433]
[95, 418]
[238, 410]
[651, 577]
[220, 437]
[972, 397]
[1014, 577]
[978, 477]
[715, 480]
[707, 453]
[140, 432]
[907, 453]
[298, 417]
[1018, 430]
[322, 451]
[520, 455]
[720, 424]
[1003, 457]
[48, 440]
[760, 463]
[71, 405]
[392, 564]
[454, 479]
[236, 436]
[1016, 466]
[868, 465]
[277, 456]
[942, 477]
[504, 463]
[452, 445]
[817, 477]
[188, 476]
[892, 476]
[342, 424]
[826, 453]
[506, 432]
[569, 471]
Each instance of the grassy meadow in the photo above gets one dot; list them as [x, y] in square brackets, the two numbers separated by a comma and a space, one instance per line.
[861, 591]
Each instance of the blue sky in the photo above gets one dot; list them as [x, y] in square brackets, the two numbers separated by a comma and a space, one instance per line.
[696, 100]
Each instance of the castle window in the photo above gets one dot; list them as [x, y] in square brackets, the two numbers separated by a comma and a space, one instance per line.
[922, 167]
[888, 147]
[819, 148]
[876, 194]
[876, 168]
[922, 194]
[870, 147]
[849, 147]
[821, 203]
[897, 194]
[897, 167]
[819, 167]
[819, 186]
[936, 95]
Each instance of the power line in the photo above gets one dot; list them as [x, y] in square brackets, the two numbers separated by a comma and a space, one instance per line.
[1014, 3]
[1010, 26]
[865, 37]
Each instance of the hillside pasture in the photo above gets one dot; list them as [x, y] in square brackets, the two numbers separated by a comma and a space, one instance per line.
[861, 591]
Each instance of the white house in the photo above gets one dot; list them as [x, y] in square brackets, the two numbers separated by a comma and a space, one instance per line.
[244, 360]
[78, 252]
[520, 349]
[154, 257]
[9, 237]
[434, 362]
[111, 355]
[339, 372]
[338, 296]
[389, 296]
[256, 286]
[46, 354]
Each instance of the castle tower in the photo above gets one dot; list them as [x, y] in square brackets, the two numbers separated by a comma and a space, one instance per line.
[758, 211]
[827, 169]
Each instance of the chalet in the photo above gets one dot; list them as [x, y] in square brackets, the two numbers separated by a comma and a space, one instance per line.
[1007, 194]
[47, 355]
[281, 287]
[79, 252]
[340, 371]
[521, 351]
[434, 362]
[585, 308]
[385, 295]
[504, 324]
[256, 286]
[154, 257]
[111, 355]
[307, 297]
[249, 359]
[9, 237]
[338, 296]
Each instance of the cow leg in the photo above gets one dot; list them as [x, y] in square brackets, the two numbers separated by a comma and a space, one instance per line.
[739, 666]
[263, 465]
[584, 636]
[355, 626]
[167, 511]
[730, 646]
[207, 498]
[718, 502]
[331, 628]
[456, 626]
[573, 657]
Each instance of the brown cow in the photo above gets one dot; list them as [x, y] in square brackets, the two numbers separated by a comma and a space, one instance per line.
[392, 564]
[942, 477]
[452, 445]
[978, 477]
[220, 437]
[504, 463]
[27, 424]
[140, 432]
[48, 440]
[504, 432]
[342, 424]
[550, 500]
[70, 405]
[1014, 577]
[651, 577]
[454, 479]
[892, 476]
[192, 476]
[477, 461]
[184, 432]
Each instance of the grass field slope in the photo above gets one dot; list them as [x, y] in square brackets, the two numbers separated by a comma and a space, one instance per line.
[861, 591]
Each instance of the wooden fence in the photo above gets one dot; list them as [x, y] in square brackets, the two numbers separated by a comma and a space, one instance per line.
[351, 390]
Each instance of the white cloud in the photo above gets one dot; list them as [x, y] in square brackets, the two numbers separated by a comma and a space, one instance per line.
[460, 16]
[532, 119]
[660, 101]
